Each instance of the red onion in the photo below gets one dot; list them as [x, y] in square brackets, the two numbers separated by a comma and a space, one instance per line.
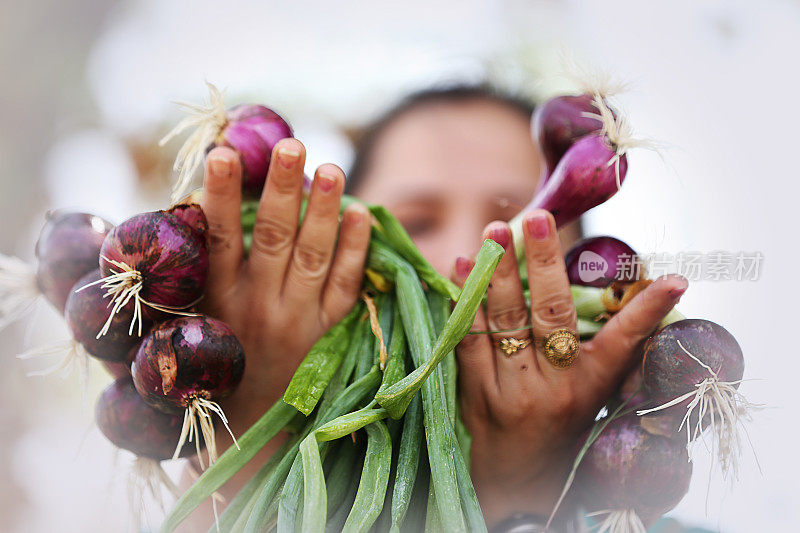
[590, 173]
[192, 215]
[87, 312]
[131, 424]
[117, 370]
[630, 475]
[252, 130]
[155, 260]
[68, 247]
[561, 121]
[185, 366]
[597, 261]
[692, 369]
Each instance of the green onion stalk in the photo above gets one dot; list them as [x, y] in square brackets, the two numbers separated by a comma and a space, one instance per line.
[379, 392]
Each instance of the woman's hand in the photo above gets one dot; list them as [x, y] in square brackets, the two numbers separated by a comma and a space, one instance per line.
[295, 284]
[527, 416]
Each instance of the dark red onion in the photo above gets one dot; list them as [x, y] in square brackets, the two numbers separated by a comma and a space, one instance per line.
[631, 393]
[189, 363]
[692, 369]
[117, 370]
[597, 261]
[629, 469]
[86, 313]
[68, 248]
[158, 260]
[669, 371]
[129, 423]
[561, 121]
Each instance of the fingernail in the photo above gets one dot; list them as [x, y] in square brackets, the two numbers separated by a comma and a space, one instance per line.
[679, 291]
[501, 236]
[354, 217]
[463, 266]
[326, 182]
[287, 158]
[220, 166]
[538, 226]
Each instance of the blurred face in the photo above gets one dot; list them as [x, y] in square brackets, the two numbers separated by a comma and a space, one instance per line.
[448, 169]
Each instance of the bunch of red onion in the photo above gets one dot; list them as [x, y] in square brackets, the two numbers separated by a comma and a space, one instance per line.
[584, 144]
[692, 368]
[152, 267]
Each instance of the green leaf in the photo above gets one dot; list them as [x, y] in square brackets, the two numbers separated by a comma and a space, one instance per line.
[319, 366]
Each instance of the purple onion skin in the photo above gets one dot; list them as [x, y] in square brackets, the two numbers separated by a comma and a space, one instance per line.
[559, 122]
[129, 423]
[629, 468]
[86, 312]
[667, 370]
[192, 215]
[209, 362]
[632, 400]
[117, 370]
[582, 180]
[68, 247]
[253, 131]
[613, 251]
[171, 256]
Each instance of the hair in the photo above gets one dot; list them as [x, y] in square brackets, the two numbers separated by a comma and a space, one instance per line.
[368, 138]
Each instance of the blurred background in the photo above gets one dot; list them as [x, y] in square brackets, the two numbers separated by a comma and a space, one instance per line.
[87, 90]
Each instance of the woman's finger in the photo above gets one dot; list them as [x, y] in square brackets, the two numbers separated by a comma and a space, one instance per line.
[347, 272]
[613, 351]
[222, 198]
[313, 249]
[507, 312]
[551, 299]
[477, 372]
[277, 216]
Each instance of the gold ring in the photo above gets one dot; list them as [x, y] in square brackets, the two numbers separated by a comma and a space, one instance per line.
[511, 345]
[561, 347]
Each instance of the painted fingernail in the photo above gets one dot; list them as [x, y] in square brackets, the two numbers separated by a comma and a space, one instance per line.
[326, 182]
[287, 158]
[538, 226]
[679, 291]
[220, 166]
[500, 235]
[463, 266]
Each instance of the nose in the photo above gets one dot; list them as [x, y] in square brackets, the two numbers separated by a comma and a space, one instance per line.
[460, 236]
